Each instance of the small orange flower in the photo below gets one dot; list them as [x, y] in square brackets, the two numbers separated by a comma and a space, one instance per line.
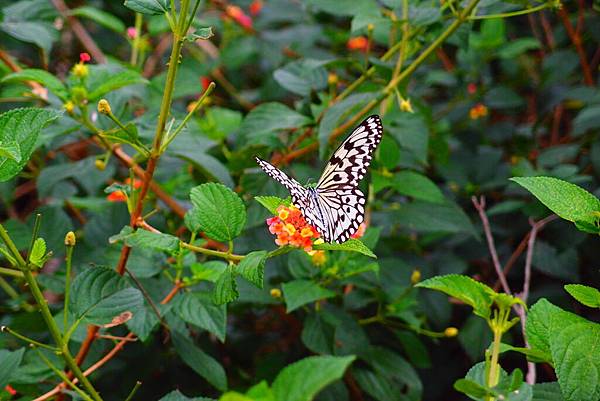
[359, 43]
[239, 16]
[360, 231]
[120, 196]
[255, 7]
[478, 111]
[84, 57]
[10, 390]
[291, 228]
[319, 258]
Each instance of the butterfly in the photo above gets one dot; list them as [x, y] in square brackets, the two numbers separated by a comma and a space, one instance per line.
[336, 206]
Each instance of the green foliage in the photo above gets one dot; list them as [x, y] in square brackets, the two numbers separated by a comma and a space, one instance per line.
[10, 361]
[586, 295]
[302, 292]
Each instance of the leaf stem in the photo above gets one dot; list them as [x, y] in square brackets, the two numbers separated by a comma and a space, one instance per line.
[133, 390]
[512, 13]
[210, 252]
[27, 339]
[11, 272]
[68, 262]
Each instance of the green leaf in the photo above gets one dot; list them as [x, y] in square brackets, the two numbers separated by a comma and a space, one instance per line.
[116, 81]
[22, 126]
[41, 33]
[517, 47]
[479, 296]
[302, 380]
[418, 186]
[201, 33]
[10, 150]
[549, 391]
[198, 309]
[99, 294]
[202, 363]
[471, 388]
[302, 76]
[225, 290]
[178, 396]
[191, 220]
[150, 7]
[587, 119]
[148, 239]
[268, 118]
[302, 292]
[567, 200]
[219, 210]
[588, 296]
[430, 217]
[576, 362]
[129, 136]
[43, 77]
[101, 17]
[352, 245]
[252, 267]
[271, 203]
[36, 257]
[10, 362]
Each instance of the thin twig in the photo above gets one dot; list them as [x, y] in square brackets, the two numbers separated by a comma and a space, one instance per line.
[480, 206]
[578, 43]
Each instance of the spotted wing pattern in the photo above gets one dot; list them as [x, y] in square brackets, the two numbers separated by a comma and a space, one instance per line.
[336, 206]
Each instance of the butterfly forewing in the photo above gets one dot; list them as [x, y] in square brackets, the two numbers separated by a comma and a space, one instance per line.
[336, 207]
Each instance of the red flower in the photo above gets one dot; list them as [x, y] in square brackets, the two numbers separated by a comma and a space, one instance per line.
[291, 228]
[205, 81]
[359, 43]
[239, 16]
[84, 57]
[471, 88]
[10, 390]
[255, 7]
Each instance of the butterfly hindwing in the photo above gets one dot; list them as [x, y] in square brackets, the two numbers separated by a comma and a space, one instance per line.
[336, 206]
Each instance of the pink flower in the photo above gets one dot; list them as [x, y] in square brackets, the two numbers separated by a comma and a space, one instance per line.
[131, 33]
[84, 57]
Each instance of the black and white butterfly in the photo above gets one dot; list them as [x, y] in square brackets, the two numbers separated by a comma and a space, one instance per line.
[336, 206]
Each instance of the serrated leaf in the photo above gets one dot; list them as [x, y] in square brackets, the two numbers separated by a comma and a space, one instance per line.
[101, 17]
[36, 257]
[198, 309]
[43, 77]
[219, 210]
[116, 81]
[225, 290]
[148, 239]
[10, 150]
[252, 267]
[202, 363]
[352, 245]
[478, 295]
[271, 203]
[567, 200]
[9, 361]
[586, 295]
[149, 7]
[99, 294]
[302, 292]
[22, 126]
[302, 380]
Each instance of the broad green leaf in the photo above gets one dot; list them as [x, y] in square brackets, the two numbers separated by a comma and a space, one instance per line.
[198, 309]
[178, 396]
[209, 271]
[352, 245]
[587, 119]
[99, 294]
[10, 362]
[576, 362]
[43, 77]
[268, 118]
[302, 292]
[219, 210]
[588, 296]
[22, 126]
[144, 320]
[208, 165]
[252, 267]
[218, 122]
[148, 239]
[418, 186]
[41, 33]
[302, 76]
[116, 81]
[517, 47]
[202, 363]
[567, 200]
[471, 388]
[150, 7]
[10, 150]
[302, 380]
[478, 295]
[533, 355]
[344, 7]
[430, 217]
[549, 391]
[191, 220]
[36, 257]
[412, 133]
[271, 203]
[101, 17]
[317, 335]
[225, 290]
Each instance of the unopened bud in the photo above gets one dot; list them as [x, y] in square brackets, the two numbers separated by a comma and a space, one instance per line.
[415, 277]
[70, 239]
[104, 107]
[100, 165]
[451, 332]
[275, 292]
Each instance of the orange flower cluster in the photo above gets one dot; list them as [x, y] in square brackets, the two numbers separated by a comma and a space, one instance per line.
[120, 196]
[478, 111]
[291, 228]
[359, 43]
[239, 16]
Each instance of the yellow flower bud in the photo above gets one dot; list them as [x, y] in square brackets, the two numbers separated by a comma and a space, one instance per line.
[275, 292]
[332, 78]
[80, 70]
[70, 239]
[319, 258]
[451, 332]
[415, 277]
[69, 106]
[104, 107]
[100, 165]
[406, 106]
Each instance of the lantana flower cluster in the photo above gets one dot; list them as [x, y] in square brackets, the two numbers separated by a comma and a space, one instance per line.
[291, 228]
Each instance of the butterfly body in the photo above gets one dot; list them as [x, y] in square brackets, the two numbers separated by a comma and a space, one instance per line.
[336, 206]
